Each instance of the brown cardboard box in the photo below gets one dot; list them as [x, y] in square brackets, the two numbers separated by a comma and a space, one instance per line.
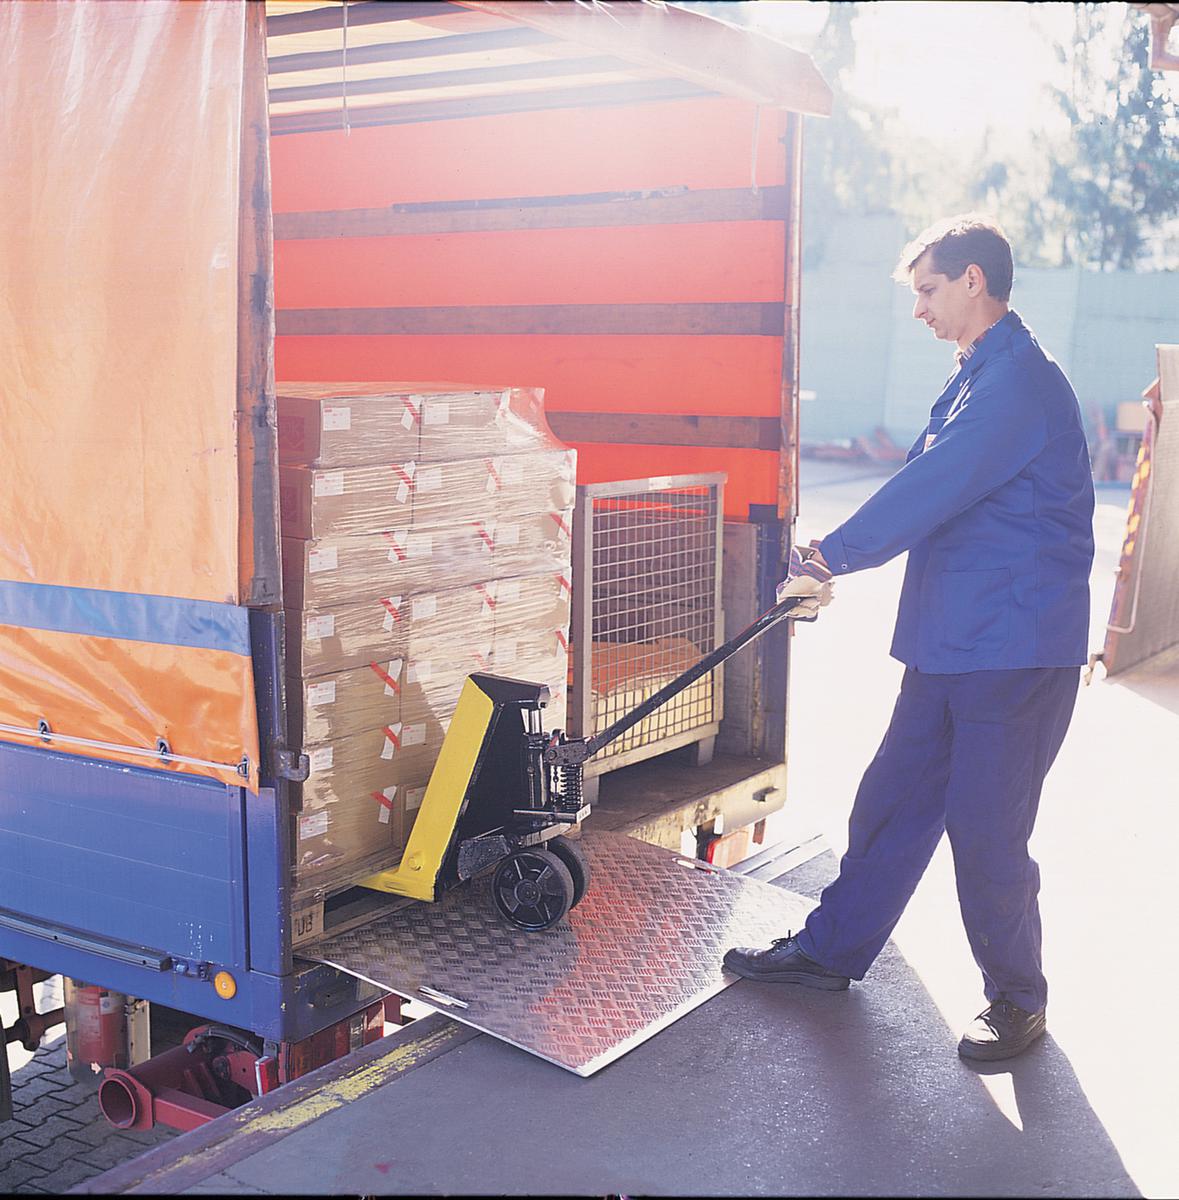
[336, 705]
[336, 844]
[482, 422]
[530, 606]
[333, 424]
[527, 545]
[335, 638]
[317, 502]
[540, 481]
[347, 769]
[325, 572]
[328, 572]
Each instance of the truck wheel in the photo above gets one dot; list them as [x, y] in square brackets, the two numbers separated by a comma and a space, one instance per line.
[532, 888]
[573, 856]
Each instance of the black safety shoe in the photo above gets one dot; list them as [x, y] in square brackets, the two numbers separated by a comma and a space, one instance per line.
[783, 962]
[1001, 1030]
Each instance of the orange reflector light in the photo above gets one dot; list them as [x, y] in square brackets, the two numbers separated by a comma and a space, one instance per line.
[226, 987]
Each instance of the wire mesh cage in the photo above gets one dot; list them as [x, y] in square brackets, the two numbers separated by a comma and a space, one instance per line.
[646, 606]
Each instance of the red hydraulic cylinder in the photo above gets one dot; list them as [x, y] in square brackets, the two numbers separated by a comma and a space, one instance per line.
[176, 1088]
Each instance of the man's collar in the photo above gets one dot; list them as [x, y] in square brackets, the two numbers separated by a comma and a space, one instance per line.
[989, 336]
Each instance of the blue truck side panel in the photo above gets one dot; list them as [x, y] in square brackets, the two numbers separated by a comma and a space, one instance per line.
[138, 855]
[149, 882]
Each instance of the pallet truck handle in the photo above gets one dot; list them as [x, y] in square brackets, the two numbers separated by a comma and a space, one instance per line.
[579, 751]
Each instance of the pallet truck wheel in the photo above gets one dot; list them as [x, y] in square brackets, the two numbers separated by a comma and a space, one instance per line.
[573, 856]
[533, 889]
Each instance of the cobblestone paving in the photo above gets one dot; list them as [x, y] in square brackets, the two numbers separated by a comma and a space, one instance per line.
[57, 1137]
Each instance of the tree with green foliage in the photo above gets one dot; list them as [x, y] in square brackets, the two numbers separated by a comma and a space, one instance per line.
[1120, 180]
[847, 167]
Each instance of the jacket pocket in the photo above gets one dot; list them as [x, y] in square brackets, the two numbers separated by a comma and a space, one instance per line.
[976, 609]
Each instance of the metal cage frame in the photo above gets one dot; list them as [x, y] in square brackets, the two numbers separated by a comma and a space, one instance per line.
[586, 605]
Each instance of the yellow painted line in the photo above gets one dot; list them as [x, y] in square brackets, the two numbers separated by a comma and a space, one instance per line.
[353, 1086]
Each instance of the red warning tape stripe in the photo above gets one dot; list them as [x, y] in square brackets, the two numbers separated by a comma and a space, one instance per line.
[393, 609]
[381, 798]
[386, 677]
[484, 534]
[394, 738]
[398, 549]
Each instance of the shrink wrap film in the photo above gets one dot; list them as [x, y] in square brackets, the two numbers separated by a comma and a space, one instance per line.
[482, 422]
[324, 572]
[348, 424]
[336, 424]
[320, 641]
[318, 502]
[331, 706]
[347, 769]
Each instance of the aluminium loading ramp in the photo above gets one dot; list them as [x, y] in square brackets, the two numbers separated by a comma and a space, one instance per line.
[764, 1090]
[642, 948]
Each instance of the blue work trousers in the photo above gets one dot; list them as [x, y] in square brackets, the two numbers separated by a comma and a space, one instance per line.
[965, 754]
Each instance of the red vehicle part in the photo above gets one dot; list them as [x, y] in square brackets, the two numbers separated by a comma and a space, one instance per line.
[96, 1028]
[218, 1069]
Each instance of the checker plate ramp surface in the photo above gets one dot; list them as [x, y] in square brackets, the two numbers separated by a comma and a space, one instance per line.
[642, 948]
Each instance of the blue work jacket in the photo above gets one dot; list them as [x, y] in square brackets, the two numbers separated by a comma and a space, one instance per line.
[995, 506]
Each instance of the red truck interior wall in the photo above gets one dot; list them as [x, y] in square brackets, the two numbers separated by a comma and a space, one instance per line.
[722, 268]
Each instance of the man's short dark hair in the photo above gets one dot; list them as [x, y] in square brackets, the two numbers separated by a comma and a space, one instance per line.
[955, 243]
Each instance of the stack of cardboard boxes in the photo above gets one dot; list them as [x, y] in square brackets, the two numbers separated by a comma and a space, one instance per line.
[426, 536]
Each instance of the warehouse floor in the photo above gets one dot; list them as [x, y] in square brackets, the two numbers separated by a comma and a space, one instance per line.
[769, 1089]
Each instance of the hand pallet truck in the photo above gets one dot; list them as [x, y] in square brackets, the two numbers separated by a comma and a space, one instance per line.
[503, 791]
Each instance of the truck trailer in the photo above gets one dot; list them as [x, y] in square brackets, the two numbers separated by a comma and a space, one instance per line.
[597, 202]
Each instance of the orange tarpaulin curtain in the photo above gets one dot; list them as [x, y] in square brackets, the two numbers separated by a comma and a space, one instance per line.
[120, 134]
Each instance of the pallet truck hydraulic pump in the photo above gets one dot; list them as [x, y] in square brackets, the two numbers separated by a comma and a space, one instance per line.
[503, 793]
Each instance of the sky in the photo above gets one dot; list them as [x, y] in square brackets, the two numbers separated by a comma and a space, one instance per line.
[951, 69]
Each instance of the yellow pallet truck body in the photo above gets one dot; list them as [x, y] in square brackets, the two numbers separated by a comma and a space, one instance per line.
[503, 793]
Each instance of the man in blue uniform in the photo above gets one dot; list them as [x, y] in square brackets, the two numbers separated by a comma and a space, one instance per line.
[995, 506]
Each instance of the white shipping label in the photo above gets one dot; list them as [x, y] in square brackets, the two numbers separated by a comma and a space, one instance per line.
[106, 1004]
[429, 479]
[390, 746]
[326, 558]
[390, 621]
[322, 693]
[413, 406]
[413, 799]
[329, 483]
[419, 545]
[321, 626]
[384, 814]
[335, 419]
[321, 758]
[425, 606]
[507, 535]
[437, 414]
[313, 825]
[420, 671]
[413, 735]
[402, 492]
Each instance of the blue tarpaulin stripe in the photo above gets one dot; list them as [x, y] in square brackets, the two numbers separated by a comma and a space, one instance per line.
[166, 620]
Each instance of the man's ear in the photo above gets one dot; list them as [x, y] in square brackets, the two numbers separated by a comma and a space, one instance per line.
[976, 281]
